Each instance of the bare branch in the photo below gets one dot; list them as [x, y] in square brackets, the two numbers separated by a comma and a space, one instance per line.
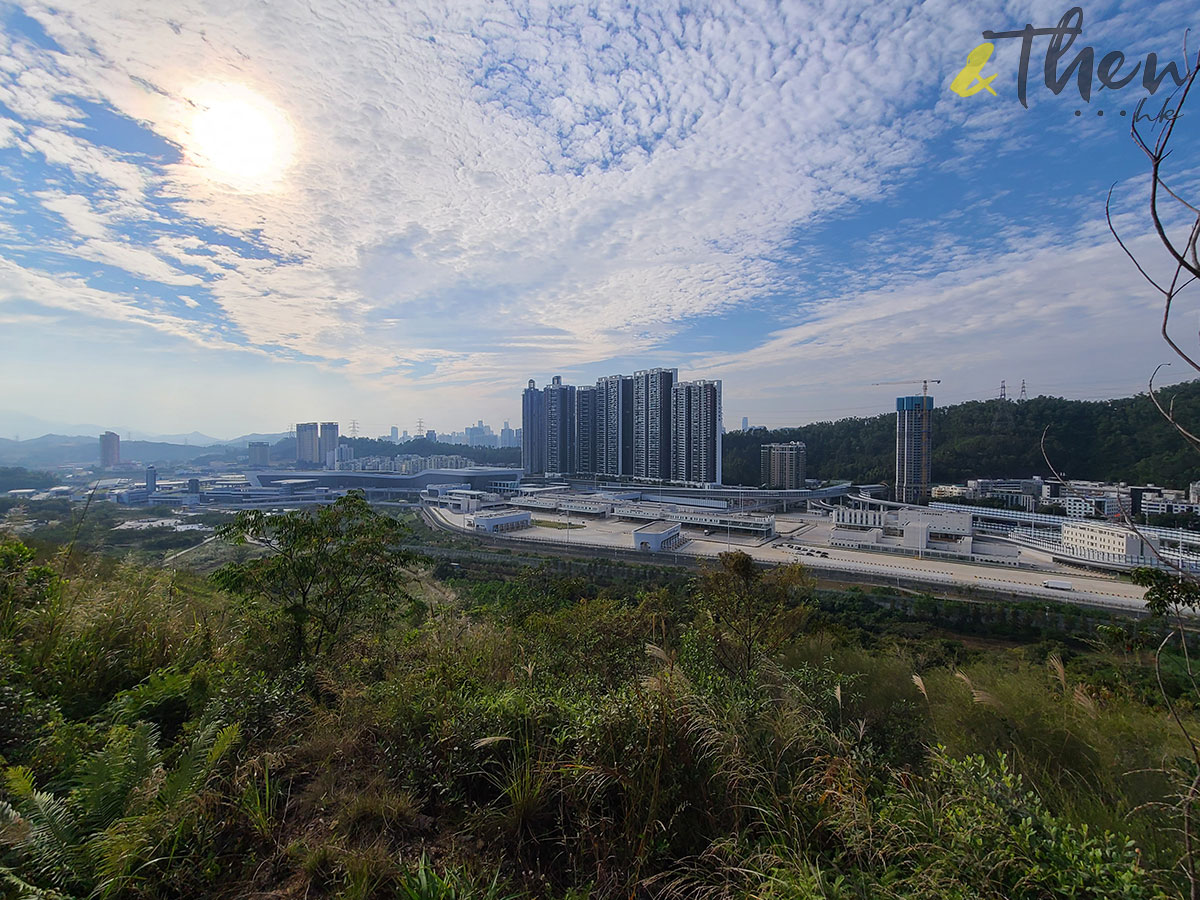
[1113, 229]
[1170, 415]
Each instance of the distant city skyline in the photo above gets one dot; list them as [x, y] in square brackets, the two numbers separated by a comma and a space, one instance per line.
[787, 199]
[22, 425]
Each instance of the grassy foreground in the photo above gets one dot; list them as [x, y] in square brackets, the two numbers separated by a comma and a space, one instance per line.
[339, 719]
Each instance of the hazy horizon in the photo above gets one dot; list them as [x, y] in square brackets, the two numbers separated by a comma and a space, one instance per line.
[8, 419]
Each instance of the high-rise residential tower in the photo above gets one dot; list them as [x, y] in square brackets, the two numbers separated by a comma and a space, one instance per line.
[308, 444]
[652, 422]
[914, 434]
[696, 432]
[614, 425]
[783, 466]
[110, 449]
[328, 442]
[585, 430]
[560, 426]
[260, 454]
[533, 430]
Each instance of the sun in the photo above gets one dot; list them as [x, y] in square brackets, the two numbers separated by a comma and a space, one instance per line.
[239, 137]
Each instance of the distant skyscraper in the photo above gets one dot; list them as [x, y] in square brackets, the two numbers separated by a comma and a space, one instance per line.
[914, 434]
[308, 444]
[783, 466]
[508, 436]
[585, 430]
[431, 435]
[395, 433]
[696, 430]
[559, 405]
[745, 423]
[260, 454]
[110, 449]
[328, 441]
[614, 425]
[533, 430]
[151, 480]
[652, 422]
[338, 455]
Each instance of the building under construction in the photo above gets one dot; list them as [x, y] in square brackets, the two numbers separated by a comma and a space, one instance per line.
[914, 439]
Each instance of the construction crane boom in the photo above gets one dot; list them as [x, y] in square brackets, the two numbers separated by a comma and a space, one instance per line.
[924, 382]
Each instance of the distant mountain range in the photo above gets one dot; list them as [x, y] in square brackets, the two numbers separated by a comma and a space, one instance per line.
[14, 424]
[53, 449]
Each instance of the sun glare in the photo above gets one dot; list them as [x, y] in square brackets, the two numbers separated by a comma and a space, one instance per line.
[239, 137]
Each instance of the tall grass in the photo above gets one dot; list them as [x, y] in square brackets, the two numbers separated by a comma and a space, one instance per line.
[547, 740]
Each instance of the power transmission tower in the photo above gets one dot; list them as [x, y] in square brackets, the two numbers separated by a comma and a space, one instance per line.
[420, 427]
[1023, 397]
[1002, 417]
[354, 428]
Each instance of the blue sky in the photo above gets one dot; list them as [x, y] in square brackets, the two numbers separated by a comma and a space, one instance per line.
[423, 206]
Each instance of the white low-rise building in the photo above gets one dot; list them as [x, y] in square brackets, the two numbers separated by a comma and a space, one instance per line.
[1159, 506]
[904, 528]
[500, 520]
[1087, 538]
[943, 491]
[657, 536]
[1088, 506]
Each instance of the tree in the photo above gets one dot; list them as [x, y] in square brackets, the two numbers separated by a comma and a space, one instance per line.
[754, 612]
[23, 584]
[327, 570]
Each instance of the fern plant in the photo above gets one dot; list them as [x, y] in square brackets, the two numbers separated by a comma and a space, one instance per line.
[124, 806]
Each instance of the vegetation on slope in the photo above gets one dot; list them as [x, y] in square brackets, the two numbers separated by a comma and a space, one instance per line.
[1118, 440]
[14, 478]
[334, 720]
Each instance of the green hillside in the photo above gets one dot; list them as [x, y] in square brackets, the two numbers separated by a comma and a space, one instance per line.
[1119, 440]
[346, 720]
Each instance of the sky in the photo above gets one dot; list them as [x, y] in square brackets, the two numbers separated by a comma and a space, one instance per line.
[230, 217]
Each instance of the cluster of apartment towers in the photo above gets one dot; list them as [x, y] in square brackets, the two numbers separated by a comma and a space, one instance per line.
[318, 445]
[649, 425]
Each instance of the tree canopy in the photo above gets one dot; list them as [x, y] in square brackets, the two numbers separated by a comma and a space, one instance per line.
[327, 570]
[1112, 440]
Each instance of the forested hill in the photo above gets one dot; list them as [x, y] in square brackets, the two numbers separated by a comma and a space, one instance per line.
[1119, 440]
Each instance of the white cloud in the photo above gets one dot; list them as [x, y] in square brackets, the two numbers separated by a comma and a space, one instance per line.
[1005, 318]
[484, 189]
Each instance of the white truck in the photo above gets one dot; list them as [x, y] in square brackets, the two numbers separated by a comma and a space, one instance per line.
[1058, 584]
